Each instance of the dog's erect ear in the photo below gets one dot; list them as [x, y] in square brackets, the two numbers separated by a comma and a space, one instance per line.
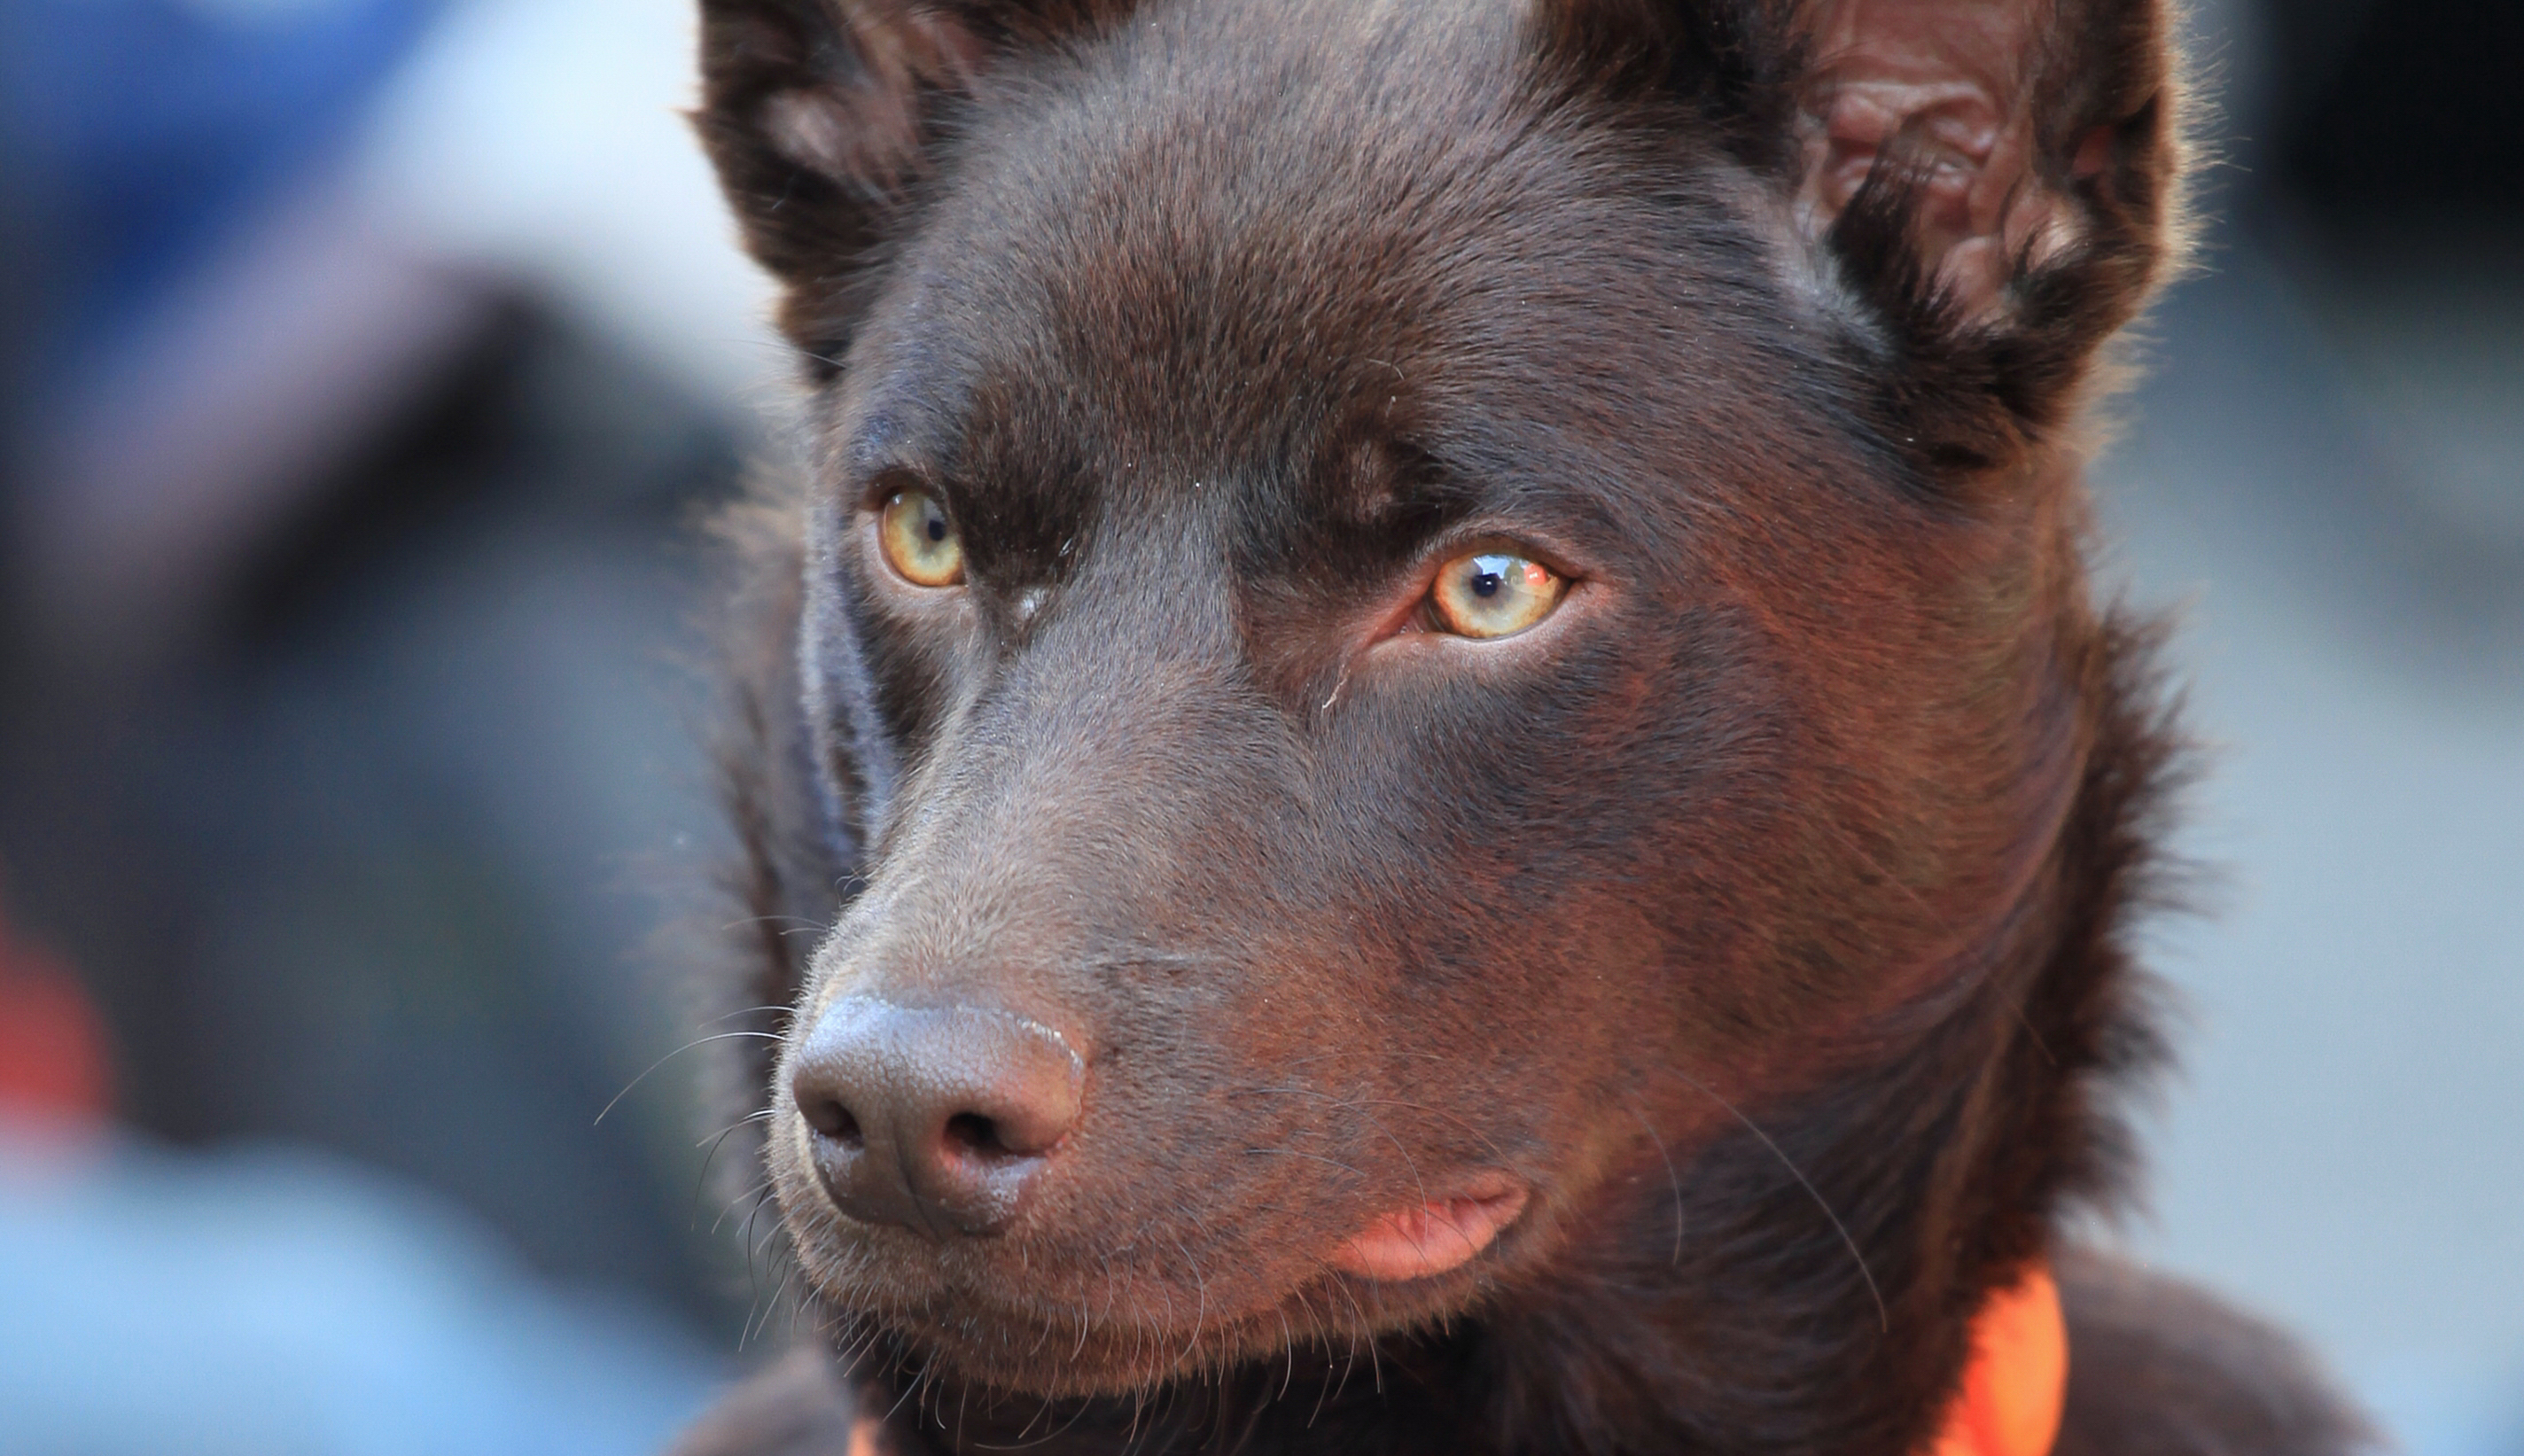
[1996, 181]
[820, 115]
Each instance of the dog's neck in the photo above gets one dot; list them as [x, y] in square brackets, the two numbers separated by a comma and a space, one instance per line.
[1805, 1283]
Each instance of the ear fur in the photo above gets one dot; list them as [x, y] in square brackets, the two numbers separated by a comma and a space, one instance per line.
[1995, 183]
[820, 117]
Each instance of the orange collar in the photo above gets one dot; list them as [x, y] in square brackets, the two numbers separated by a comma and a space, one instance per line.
[2019, 1377]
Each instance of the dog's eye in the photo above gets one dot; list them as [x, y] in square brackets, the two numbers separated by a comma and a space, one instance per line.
[1492, 594]
[919, 540]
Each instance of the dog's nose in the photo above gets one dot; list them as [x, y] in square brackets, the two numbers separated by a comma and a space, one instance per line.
[938, 1120]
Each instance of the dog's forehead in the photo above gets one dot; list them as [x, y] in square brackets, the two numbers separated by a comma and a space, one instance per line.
[1212, 240]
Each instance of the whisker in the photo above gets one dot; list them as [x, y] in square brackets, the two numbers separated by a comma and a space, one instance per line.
[1291, 1152]
[1199, 1314]
[1673, 1180]
[761, 1186]
[918, 1379]
[1883, 1316]
[701, 1180]
[755, 1116]
[746, 1011]
[1289, 1350]
[795, 921]
[670, 1056]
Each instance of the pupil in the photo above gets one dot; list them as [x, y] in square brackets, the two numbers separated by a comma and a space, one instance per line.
[935, 528]
[1487, 583]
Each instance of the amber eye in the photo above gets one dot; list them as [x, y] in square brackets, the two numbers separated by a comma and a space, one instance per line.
[919, 540]
[1492, 594]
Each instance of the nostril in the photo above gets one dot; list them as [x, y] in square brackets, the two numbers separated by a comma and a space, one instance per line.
[933, 1119]
[972, 1134]
[828, 1117]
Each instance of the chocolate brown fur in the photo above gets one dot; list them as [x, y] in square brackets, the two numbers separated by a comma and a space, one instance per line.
[1764, 910]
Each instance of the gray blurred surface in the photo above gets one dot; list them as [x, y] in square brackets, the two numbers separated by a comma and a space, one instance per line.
[2347, 1150]
[265, 1300]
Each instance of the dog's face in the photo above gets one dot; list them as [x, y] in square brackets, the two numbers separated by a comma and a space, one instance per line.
[1397, 635]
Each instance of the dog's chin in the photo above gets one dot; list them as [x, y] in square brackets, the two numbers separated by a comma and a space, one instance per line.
[1034, 1353]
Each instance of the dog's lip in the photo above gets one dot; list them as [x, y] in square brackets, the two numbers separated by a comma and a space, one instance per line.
[1440, 1233]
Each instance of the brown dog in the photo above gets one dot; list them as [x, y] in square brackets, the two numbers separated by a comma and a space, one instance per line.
[1434, 673]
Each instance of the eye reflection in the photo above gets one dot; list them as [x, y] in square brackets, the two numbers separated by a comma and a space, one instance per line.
[1495, 594]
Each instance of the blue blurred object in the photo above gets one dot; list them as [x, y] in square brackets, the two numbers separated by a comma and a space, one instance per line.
[276, 1301]
[137, 131]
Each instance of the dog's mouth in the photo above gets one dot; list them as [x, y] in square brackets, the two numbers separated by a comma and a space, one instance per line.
[1435, 1235]
[955, 1177]
[1070, 1322]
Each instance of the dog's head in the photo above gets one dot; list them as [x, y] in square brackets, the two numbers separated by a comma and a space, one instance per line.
[1411, 607]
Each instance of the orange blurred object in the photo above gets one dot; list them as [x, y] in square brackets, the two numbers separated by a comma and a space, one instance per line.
[2019, 1378]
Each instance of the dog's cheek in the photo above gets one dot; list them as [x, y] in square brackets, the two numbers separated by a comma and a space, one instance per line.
[1488, 851]
[1629, 866]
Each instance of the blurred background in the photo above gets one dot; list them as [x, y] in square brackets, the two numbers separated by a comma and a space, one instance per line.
[364, 364]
